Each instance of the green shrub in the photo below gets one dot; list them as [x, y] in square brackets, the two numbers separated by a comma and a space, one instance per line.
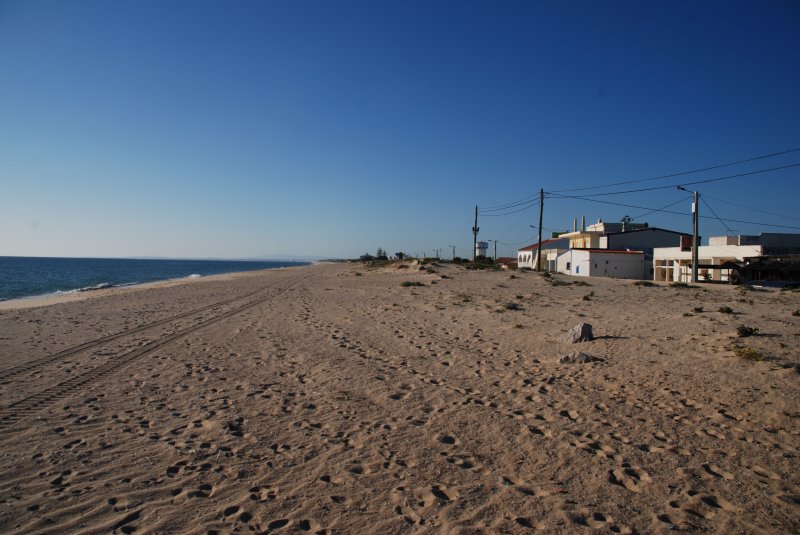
[643, 283]
[697, 309]
[726, 310]
[407, 284]
[796, 312]
[744, 331]
[680, 285]
[512, 306]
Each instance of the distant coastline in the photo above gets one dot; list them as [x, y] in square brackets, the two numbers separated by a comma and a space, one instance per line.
[43, 277]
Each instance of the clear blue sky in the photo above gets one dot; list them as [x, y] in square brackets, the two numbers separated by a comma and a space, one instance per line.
[250, 129]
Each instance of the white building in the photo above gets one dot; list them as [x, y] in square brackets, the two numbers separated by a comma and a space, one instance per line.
[602, 263]
[526, 257]
[672, 264]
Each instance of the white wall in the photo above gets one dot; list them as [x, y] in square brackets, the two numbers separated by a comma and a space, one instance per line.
[616, 265]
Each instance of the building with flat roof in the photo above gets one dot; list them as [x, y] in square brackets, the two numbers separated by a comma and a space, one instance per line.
[721, 257]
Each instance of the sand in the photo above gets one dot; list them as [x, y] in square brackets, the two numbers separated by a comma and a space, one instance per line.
[333, 399]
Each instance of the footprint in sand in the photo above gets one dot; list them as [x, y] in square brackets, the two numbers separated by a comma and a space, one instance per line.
[715, 470]
[629, 477]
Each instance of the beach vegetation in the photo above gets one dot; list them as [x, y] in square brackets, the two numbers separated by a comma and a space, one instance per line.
[407, 284]
[512, 276]
[698, 309]
[744, 331]
[581, 283]
[512, 306]
[681, 285]
[791, 288]
[796, 312]
[643, 283]
[747, 353]
[358, 274]
[726, 310]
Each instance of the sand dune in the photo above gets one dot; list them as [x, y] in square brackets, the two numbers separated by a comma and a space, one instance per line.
[333, 399]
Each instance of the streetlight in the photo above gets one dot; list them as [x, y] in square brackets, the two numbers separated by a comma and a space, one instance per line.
[695, 227]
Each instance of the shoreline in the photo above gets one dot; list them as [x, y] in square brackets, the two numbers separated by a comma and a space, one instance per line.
[79, 295]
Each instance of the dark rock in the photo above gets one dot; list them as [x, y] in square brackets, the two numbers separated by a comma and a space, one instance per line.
[582, 332]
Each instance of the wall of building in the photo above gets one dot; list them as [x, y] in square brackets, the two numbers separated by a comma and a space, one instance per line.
[616, 265]
[780, 243]
[582, 263]
[643, 240]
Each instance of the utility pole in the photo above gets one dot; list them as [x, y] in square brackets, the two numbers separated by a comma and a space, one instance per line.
[695, 244]
[475, 230]
[539, 245]
[495, 251]
[454, 251]
[696, 233]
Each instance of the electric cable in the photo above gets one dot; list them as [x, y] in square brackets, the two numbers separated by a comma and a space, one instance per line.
[681, 173]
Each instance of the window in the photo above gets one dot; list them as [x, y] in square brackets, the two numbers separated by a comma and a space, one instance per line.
[577, 269]
[595, 266]
[568, 266]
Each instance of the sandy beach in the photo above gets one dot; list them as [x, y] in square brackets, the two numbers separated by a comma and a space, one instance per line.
[333, 398]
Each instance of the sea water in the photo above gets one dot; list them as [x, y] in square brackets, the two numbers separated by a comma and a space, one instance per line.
[30, 277]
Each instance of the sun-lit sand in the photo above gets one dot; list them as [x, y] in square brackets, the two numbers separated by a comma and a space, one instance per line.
[333, 399]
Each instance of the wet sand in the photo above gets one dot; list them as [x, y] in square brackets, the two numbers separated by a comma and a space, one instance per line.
[333, 399]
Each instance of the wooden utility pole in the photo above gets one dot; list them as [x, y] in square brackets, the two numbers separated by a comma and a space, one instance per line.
[495, 251]
[475, 230]
[539, 245]
[695, 238]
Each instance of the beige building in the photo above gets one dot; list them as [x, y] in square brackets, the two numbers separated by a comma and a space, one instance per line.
[589, 236]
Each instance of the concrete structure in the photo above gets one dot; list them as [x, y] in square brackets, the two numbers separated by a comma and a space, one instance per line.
[716, 260]
[526, 257]
[644, 240]
[602, 263]
[589, 237]
[480, 248]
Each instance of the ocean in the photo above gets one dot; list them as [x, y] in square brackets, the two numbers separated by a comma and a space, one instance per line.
[30, 277]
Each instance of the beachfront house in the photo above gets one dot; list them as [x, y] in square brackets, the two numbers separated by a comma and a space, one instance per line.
[609, 249]
[723, 255]
[527, 256]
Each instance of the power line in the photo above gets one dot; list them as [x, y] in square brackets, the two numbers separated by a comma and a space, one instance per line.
[662, 208]
[705, 181]
[510, 205]
[670, 211]
[507, 213]
[715, 215]
[751, 208]
[681, 173]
